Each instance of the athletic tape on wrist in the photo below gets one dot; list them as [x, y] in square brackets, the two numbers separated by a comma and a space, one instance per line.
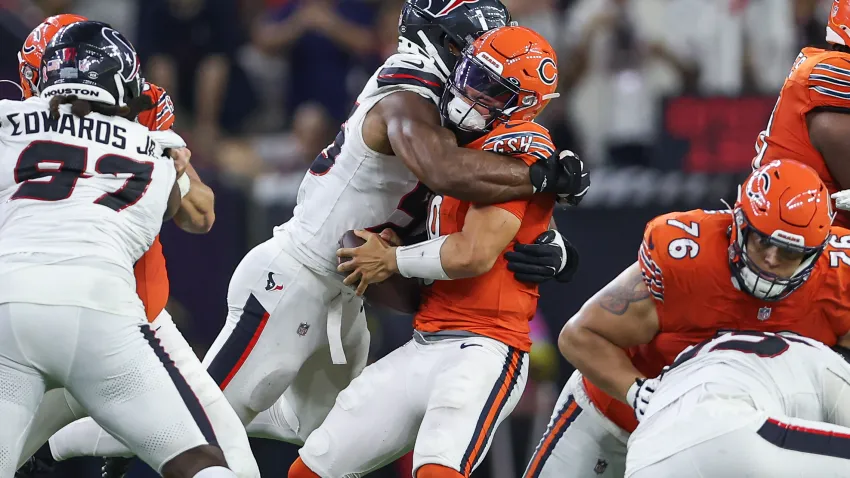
[422, 260]
[183, 184]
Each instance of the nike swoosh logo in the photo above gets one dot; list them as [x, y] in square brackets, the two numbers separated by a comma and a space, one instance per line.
[510, 126]
[465, 345]
[421, 63]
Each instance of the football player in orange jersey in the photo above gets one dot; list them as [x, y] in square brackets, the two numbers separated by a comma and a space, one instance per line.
[196, 215]
[811, 120]
[444, 393]
[773, 264]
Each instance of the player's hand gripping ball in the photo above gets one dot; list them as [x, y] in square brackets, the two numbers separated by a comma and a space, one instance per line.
[368, 260]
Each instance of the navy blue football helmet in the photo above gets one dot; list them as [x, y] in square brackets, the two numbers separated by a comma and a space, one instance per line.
[93, 62]
[441, 29]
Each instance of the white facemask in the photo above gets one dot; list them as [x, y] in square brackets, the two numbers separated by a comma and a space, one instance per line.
[465, 115]
[766, 289]
[761, 289]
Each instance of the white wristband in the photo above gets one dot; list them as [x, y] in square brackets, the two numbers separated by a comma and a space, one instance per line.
[422, 260]
[183, 184]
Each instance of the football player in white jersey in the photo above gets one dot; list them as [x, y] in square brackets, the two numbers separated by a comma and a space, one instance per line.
[58, 408]
[289, 311]
[747, 404]
[83, 193]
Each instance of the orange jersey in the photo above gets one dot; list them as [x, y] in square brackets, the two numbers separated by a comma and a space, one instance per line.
[683, 260]
[151, 276]
[819, 78]
[161, 117]
[494, 304]
[152, 280]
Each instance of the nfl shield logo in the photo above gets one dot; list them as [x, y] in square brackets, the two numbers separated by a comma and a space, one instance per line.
[764, 313]
[600, 467]
[303, 328]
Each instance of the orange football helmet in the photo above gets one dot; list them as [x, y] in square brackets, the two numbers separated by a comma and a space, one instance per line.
[788, 206]
[838, 26]
[510, 73]
[29, 58]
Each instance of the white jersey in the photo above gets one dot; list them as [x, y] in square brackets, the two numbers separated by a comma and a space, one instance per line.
[81, 199]
[349, 186]
[734, 381]
[783, 374]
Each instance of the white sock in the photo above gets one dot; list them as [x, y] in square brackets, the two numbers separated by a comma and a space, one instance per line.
[215, 472]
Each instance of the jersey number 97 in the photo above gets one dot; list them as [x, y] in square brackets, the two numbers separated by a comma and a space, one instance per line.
[48, 171]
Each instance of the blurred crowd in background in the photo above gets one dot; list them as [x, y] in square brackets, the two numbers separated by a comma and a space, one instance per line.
[262, 85]
[663, 98]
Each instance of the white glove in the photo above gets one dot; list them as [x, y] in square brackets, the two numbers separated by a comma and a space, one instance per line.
[842, 200]
[639, 394]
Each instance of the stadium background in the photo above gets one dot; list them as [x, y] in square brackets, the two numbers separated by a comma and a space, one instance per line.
[663, 98]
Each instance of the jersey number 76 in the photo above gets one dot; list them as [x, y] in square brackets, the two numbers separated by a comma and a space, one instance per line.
[684, 247]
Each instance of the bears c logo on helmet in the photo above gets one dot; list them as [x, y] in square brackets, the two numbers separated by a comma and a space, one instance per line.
[757, 188]
[33, 40]
[548, 71]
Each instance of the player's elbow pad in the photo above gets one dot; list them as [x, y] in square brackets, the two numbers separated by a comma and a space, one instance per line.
[844, 352]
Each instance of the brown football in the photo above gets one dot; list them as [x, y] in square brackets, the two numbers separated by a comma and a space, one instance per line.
[397, 293]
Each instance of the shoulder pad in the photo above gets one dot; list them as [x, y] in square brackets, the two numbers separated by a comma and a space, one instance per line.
[832, 274]
[415, 62]
[411, 70]
[523, 139]
[672, 221]
[675, 239]
[6, 104]
[829, 80]
[837, 249]
[9, 107]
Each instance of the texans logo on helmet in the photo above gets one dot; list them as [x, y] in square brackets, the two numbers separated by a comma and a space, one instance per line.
[130, 64]
[451, 6]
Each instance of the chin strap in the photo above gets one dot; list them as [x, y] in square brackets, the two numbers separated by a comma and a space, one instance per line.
[432, 52]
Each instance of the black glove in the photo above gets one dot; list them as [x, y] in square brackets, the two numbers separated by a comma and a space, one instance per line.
[551, 256]
[563, 175]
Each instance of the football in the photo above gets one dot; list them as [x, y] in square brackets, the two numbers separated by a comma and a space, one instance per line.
[397, 293]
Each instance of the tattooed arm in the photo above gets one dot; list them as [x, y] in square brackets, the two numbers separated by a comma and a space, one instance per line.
[619, 316]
